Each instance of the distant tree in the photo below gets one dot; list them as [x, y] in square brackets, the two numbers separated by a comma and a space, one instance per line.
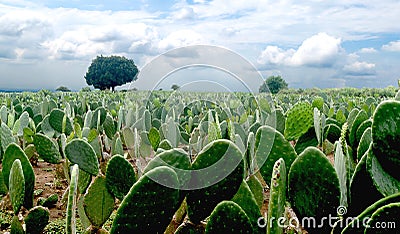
[108, 72]
[63, 89]
[175, 87]
[274, 84]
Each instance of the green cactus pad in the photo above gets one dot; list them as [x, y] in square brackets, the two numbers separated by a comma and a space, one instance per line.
[165, 144]
[120, 176]
[228, 217]
[109, 127]
[98, 202]
[51, 200]
[80, 152]
[277, 198]
[84, 180]
[383, 181]
[299, 119]
[149, 206]
[16, 226]
[46, 128]
[12, 153]
[332, 132]
[99, 114]
[154, 138]
[313, 186]
[46, 148]
[245, 199]
[36, 220]
[6, 136]
[386, 136]
[384, 220]
[361, 129]
[3, 187]
[357, 226]
[364, 144]
[360, 185]
[117, 147]
[218, 171]
[257, 189]
[270, 146]
[277, 120]
[72, 199]
[17, 186]
[360, 118]
[56, 121]
[341, 165]
[307, 139]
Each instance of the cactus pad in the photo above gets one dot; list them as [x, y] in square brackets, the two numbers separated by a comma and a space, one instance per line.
[17, 186]
[80, 152]
[120, 176]
[299, 119]
[277, 197]
[36, 220]
[46, 148]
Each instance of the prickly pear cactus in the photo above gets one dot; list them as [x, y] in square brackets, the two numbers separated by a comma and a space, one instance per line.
[364, 144]
[149, 205]
[217, 173]
[46, 148]
[154, 138]
[228, 217]
[59, 122]
[16, 226]
[357, 226]
[98, 202]
[388, 215]
[17, 186]
[37, 219]
[360, 118]
[165, 144]
[72, 197]
[386, 137]
[257, 189]
[12, 153]
[245, 199]
[6, 136]
[120, 176]
[80, 152]
[299, 119]
[313, 187]
[341, 168]
[270, 146]
[277, 197]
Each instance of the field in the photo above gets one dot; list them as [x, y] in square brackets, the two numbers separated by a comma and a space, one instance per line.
[186, 162]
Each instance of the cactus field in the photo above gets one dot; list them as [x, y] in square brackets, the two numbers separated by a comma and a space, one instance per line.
[317, 161]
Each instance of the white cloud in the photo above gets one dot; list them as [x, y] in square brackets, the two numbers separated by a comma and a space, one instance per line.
[181, 38]
[369, 50]
[392, 46]
[360, 69]
[320, 50]
[184, 13]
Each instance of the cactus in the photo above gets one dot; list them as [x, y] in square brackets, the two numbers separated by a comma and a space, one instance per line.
[46, 148]
[56, 120]
[47, 129]
[332, 132]
[383, 181]
[116, 147]
[12, 153]
[17, 186]
[277, 120]
[72, 197]
[98, 118]
[50, 201]
[109, 127]
[361, 129]
[80, 152]
[386, 135]
[228, 217]
[360, 118]
[360, 185]
[36, 220]
[313, 186]
[277, 198]
[129, 139]
[389, 215]
[299, 120]
[84, 180]
[270, 146]
[154, 138]
[307, 139]
[245, 199]
[357, 225]
[137, 215]
[16, 226]
[165, 144]
[257, 189]
[6, 136]
[120, 176]
[217, 173]
[341, 168]
[98, 203]
[365, 141]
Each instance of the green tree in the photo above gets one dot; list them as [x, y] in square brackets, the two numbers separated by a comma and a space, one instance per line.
[175, 87]
[108, 72]
[63, 89]
[274, 84]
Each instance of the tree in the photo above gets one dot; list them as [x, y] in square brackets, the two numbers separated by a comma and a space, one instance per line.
[63, 89]
[175, 87]
[108, 72]
[274, 84]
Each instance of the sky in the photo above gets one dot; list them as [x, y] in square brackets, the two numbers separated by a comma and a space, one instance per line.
[312, 43]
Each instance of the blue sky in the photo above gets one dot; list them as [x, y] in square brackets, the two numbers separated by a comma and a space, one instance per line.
[45, 44]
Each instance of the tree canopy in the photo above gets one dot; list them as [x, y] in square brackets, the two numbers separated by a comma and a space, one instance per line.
[63, 89]
[274, 84]
[175, 87]
[108, 72]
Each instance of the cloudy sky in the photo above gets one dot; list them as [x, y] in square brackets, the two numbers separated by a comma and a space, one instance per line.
[314, 43]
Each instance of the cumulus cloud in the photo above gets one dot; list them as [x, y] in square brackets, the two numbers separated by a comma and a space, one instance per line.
[321, 50]
[367, 50]
[184, 13]
[392, 46]
[360, 69]
[180, 38]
